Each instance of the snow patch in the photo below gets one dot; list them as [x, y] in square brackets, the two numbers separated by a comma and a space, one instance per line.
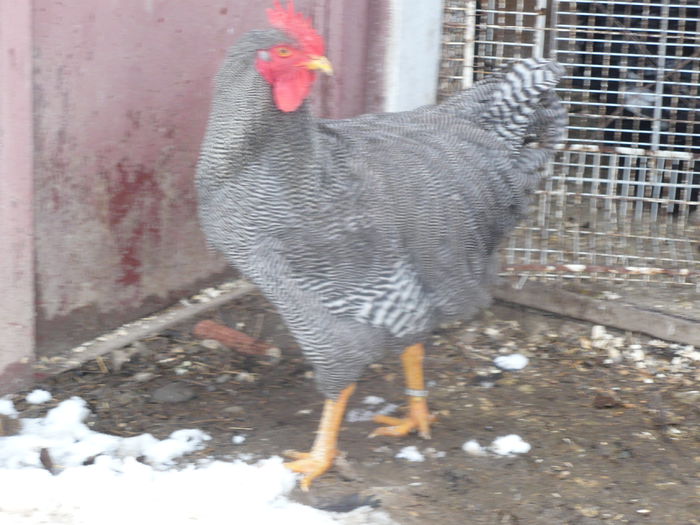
[511, 362]
[503, 446]
[410, 453]
[70, 443]
[473, 448]
[38, 396]
[373, 400]
[100, 478]
[7, 408]
[509, 445]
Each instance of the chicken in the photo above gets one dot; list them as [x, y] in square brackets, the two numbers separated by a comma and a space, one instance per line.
[365, 233]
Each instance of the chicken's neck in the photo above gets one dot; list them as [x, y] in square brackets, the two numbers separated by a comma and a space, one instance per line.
[271, 154]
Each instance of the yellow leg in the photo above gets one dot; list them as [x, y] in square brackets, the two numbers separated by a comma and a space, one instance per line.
[419, 418]
[319, 460]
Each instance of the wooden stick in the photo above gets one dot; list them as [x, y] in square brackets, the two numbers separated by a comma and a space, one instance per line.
[233, 339]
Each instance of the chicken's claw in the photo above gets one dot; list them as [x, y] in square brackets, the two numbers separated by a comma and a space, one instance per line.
[319, 460]
[419, 419]
[309, 464]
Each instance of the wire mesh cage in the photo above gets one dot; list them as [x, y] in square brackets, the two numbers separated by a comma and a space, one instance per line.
[621, 202]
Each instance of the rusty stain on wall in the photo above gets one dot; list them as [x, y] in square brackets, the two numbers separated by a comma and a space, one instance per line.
[134, 200]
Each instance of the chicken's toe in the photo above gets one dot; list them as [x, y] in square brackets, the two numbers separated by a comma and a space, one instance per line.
[419, 419]
[310, 465]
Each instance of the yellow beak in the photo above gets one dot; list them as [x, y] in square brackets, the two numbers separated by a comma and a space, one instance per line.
[318, 63]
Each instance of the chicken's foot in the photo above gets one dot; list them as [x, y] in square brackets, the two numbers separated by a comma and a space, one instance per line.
[419, 417]
[319, 460]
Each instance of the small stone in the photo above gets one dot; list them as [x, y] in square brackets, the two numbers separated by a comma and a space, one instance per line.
[274, 354]
[173, 393]
[142, 377]
[245, 377]
[210, 344]
[494, 333]
[605, 400]
[223, 378]
[624, 454]
[235, 409]
[588, 512]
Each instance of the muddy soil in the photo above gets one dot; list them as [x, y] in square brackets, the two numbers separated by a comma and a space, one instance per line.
[614, 420]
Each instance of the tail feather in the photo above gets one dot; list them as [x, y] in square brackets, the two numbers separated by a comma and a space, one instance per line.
[523, 104]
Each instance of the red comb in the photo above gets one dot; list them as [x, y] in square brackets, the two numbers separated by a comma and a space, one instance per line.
[296, 25]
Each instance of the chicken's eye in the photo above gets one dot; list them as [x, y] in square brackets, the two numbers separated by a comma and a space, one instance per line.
[283, 52]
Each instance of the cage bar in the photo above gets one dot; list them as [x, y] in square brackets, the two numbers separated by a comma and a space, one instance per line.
[623, 191]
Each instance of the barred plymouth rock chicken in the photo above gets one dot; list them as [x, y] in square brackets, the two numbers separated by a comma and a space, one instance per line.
[365, 233]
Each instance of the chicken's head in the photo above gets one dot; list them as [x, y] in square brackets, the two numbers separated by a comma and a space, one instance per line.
[290, 67]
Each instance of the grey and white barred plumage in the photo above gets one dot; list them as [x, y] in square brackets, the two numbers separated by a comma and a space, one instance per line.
[367, 232]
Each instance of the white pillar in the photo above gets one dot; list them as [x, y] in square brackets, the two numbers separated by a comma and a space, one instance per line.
[413, 54]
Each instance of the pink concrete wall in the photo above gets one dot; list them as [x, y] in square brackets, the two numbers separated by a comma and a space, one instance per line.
[355, 33]
[121, 92]
[16, 218]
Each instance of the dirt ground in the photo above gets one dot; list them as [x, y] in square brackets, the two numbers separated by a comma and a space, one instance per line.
[613, 420]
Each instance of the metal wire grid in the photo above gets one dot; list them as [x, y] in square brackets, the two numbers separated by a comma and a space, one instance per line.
[635, 71]
[619, 204]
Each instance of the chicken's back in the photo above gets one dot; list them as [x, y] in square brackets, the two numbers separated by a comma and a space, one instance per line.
[420, 201]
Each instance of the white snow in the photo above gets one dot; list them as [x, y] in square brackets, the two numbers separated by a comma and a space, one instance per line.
[373, 400]
[364, 414]
[473, 448]
[410, 453]
[7, 408]
[106, 479]
[38, 396]
[509, 445]
[70, 442]
[511, 361]
[502, 446]
[238, 440]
